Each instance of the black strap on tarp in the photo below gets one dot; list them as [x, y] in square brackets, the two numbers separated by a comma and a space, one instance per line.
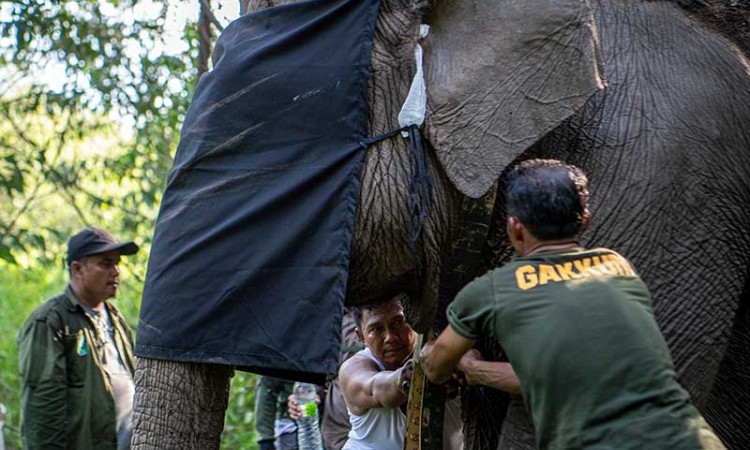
[250, 256]
[372, 140]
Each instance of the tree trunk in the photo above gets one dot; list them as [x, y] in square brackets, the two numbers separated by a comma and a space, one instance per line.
[204, 37]
[179, 405]
[243, 6]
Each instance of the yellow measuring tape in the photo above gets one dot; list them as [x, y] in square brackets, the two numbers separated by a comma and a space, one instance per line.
[413, 439]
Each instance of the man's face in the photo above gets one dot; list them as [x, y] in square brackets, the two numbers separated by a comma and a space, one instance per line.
[97, 276]
[385, 331]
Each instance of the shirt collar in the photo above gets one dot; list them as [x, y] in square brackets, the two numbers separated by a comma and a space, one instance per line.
[72, 301]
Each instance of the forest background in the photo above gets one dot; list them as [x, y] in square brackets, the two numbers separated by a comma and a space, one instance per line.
[92, 98]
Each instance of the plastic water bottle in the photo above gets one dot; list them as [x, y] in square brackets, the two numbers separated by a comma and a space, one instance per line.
[308, 428]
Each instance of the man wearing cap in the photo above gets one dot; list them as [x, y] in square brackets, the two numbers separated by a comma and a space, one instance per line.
[76, 358]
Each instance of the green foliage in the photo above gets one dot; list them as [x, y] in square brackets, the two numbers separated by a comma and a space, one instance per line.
[100, 46]
[20, 292]
[40, 160]
[91, 105]
[109, 117]
[239, 423]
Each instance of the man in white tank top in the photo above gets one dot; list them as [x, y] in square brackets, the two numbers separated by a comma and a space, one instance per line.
[338, 418]
[372, 379]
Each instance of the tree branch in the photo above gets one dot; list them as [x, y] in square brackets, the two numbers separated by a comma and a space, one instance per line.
[57, 178]
[204, 38]
[243, 7]
[206, 9]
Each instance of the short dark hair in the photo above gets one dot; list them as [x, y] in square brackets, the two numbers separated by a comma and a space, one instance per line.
[549, 197]
[358, 311]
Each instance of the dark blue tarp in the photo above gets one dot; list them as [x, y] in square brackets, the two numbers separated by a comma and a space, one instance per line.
[251, 250]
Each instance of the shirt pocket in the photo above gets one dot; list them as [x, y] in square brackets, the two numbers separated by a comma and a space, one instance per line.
[78, 348]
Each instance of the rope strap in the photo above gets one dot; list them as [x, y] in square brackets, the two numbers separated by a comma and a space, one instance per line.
[421, 184]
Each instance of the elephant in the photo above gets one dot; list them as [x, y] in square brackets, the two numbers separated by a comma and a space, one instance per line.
[650, 98]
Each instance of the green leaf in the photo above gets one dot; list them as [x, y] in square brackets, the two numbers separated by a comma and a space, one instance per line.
[16, 182]
[6, 254]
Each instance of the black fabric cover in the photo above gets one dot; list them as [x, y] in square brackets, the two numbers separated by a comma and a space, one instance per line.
[250, 255]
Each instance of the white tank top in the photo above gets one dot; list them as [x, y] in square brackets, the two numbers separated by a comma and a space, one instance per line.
[378, 428]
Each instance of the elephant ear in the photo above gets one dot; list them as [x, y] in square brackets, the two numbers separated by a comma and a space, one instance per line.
[500, 75]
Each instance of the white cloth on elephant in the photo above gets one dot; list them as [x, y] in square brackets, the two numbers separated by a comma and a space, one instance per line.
[378, 428]
[414, 107]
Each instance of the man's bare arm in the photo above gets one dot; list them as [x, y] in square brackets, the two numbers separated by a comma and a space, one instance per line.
[440, 358]
[497, 375]
[365, 387]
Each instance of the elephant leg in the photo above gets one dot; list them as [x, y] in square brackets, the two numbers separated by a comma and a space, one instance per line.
[179, 405]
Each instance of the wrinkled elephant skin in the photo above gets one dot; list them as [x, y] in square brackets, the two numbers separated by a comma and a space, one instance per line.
[652, 101]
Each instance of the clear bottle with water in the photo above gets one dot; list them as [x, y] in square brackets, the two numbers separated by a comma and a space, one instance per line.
[308, 427]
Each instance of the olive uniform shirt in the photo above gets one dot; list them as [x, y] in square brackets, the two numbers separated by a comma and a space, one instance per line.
[66, 397]
[580, 333]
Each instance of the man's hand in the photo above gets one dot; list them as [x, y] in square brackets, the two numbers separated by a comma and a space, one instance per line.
[497, 375]
[404, 378]
[454, 384]
[467, 366]
[292, 407]
[440, 357]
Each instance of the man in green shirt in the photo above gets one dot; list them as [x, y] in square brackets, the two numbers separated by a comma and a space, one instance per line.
[76, 358]
[577, 326]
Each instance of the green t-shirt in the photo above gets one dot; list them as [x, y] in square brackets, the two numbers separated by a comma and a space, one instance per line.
[580, 333]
